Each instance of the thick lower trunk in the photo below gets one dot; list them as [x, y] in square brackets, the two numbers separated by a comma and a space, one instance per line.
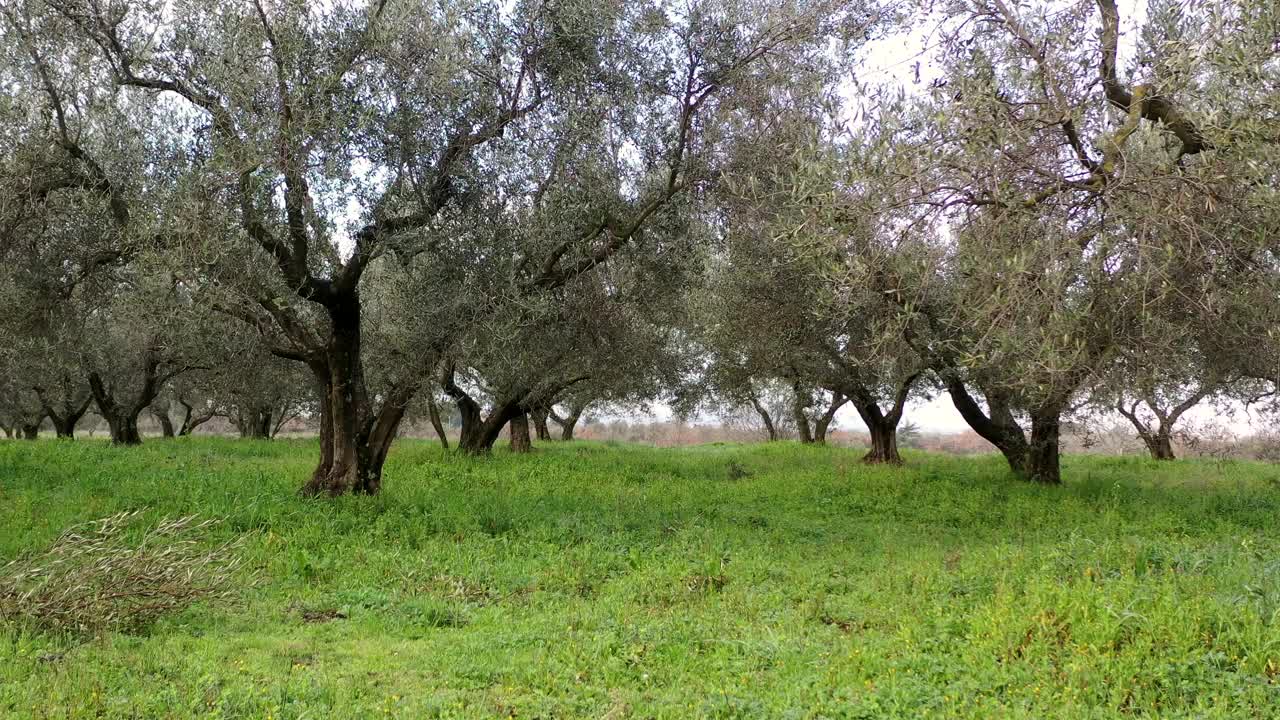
[122, 418]
[351, 460]
[820, 430]
[519, 429]
[348, 465]
[66, 415]
[568, 426]
[166, 425]
[321, 473]
[1000, 429]
[256, 424]
[882, 427]
[65, 428]
[798, 414]
[1160, 445]
[539, 418]
[884, 444]
[479, 434]
[30, 432]
[124, 429]
[433, 411]
[1041, 464]
[353, 442]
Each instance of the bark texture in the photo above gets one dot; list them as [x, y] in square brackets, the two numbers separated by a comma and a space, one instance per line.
[1035, 459]
[519, 430]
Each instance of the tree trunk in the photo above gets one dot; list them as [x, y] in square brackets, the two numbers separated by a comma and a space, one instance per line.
[8, 431]
[351, 468]
[798, 406]
[354, 440]
[884, 444]
[321, 473]
[1159, 440]
[190, 420]
[1000, 429]
[883, 429]
[765, 418]
[65, 428]
[352, 455]
[31, 431]
[166, 425]
[1042, 454]
[479, 433]
[124, 429]
[1160, 445]
[570, 423]
[519, 429]
[122, 420]
[122, 417]
[255, 424]
[539, 417]
[881, 426]
[64, 422]
[433, 411]
[824, 423]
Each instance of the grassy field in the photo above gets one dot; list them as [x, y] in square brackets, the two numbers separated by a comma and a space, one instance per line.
[614, 581]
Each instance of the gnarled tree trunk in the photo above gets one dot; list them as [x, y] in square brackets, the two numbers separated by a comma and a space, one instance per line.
[354, 439]
[999, 429]
[166, 425]
[764, 417]
[1042, 464]
[433, 412]
[799, 405]
[1160, 446]
[519, 429]
[539, 415]
[821, 426]
[67, 414]
[191, 419]
[256, 422]
[122, 416]
[569, 422]
[124, 429]
[1158, 436]
[31, 431]
[884, 444]
[1036, 460]
[479, 433]
[881, 426]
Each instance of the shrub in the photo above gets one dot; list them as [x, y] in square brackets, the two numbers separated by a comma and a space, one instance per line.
[93, 578]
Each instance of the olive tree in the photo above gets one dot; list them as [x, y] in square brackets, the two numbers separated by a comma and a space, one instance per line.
[1068, 201]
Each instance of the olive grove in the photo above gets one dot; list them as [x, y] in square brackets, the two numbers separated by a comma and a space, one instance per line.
[356, 212]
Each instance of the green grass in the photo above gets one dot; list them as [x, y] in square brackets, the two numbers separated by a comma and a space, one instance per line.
[605, 580]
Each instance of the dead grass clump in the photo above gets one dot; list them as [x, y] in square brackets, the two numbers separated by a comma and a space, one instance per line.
[93, 578]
